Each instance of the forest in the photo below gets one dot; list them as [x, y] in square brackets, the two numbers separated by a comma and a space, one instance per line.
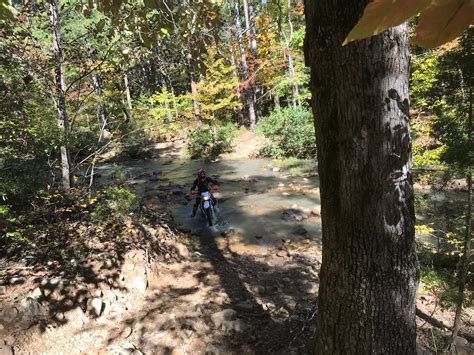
[339, 134]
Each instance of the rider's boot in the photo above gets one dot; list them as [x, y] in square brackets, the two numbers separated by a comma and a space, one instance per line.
[194, 210]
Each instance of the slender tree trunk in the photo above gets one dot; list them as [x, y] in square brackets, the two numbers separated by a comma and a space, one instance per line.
[237, 89]
[276, 101]
[291, 72]
[249, 11]
[60, 98]
[464, 263]
[101, 111]
[167, 103]
[291, 67]
[192, 81]
[175, 106]
[369, 273]
[245, 71]
[129, 96]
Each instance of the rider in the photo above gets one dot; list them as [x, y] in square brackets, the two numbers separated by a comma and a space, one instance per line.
[201, 184]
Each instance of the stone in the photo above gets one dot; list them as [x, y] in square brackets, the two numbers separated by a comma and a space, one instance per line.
[276, 170]
[226, 320]
[35, 294]
[316, 211]
[97, 293]
[294, 214]
[31, 312]
[95, 306]
[462, 346]
[3, 290]
[6, 350]
[17, 280]
[196, 346]
[10, 340]
[9, 315]
[110, 295]
[282, 253]
[138, 283]
[181, 249]
[258, 289]
[460, 342]
[300, 231]
[221, 318]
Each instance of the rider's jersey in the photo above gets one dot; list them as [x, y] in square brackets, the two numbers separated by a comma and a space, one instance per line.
[203, 186]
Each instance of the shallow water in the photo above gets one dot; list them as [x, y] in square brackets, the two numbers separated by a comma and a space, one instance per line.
[251, 200]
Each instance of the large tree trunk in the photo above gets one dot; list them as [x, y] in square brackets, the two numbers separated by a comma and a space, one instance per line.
[245, 72]
[369, 273]
[60, 98]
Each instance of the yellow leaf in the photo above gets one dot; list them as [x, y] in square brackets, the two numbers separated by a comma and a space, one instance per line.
[443, 21]
[380, 15]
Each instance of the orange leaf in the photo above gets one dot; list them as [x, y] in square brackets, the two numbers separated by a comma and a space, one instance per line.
[443, 21]
[380, 15]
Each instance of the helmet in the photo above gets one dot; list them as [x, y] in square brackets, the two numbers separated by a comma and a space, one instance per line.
[201, 173]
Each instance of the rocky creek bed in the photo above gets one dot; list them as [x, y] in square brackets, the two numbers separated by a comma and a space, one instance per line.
[175, 286]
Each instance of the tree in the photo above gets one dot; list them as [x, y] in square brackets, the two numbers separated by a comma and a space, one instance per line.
[245, 71]
[369, 274]
[60, 98]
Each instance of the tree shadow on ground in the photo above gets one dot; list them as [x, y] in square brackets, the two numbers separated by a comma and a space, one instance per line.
[270, 306]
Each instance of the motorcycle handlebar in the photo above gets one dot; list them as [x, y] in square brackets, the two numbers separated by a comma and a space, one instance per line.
[215, 187]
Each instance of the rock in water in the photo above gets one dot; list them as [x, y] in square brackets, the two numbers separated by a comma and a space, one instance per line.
[300, 231]
[294, 214]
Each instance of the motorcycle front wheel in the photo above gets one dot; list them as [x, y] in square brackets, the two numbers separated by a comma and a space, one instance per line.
[209, 215]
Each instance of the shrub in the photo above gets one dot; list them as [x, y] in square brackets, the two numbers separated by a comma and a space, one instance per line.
[135, 144]
[209, 142]
[114, 202]
[291, 132]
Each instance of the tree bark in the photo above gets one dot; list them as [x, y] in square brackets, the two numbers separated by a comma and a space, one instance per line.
[60, 96]
[192, 81]
[245, 72]
[167, 103]
[101, 111]
[128, 95]
[369, 274]
[291, 66]
[237, 90]
[175, 106]
[249, 10]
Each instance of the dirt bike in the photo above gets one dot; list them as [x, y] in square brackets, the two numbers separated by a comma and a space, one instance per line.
[207, 205]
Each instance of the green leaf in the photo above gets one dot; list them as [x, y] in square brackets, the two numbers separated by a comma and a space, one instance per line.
[380, 15]
[443, 21]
